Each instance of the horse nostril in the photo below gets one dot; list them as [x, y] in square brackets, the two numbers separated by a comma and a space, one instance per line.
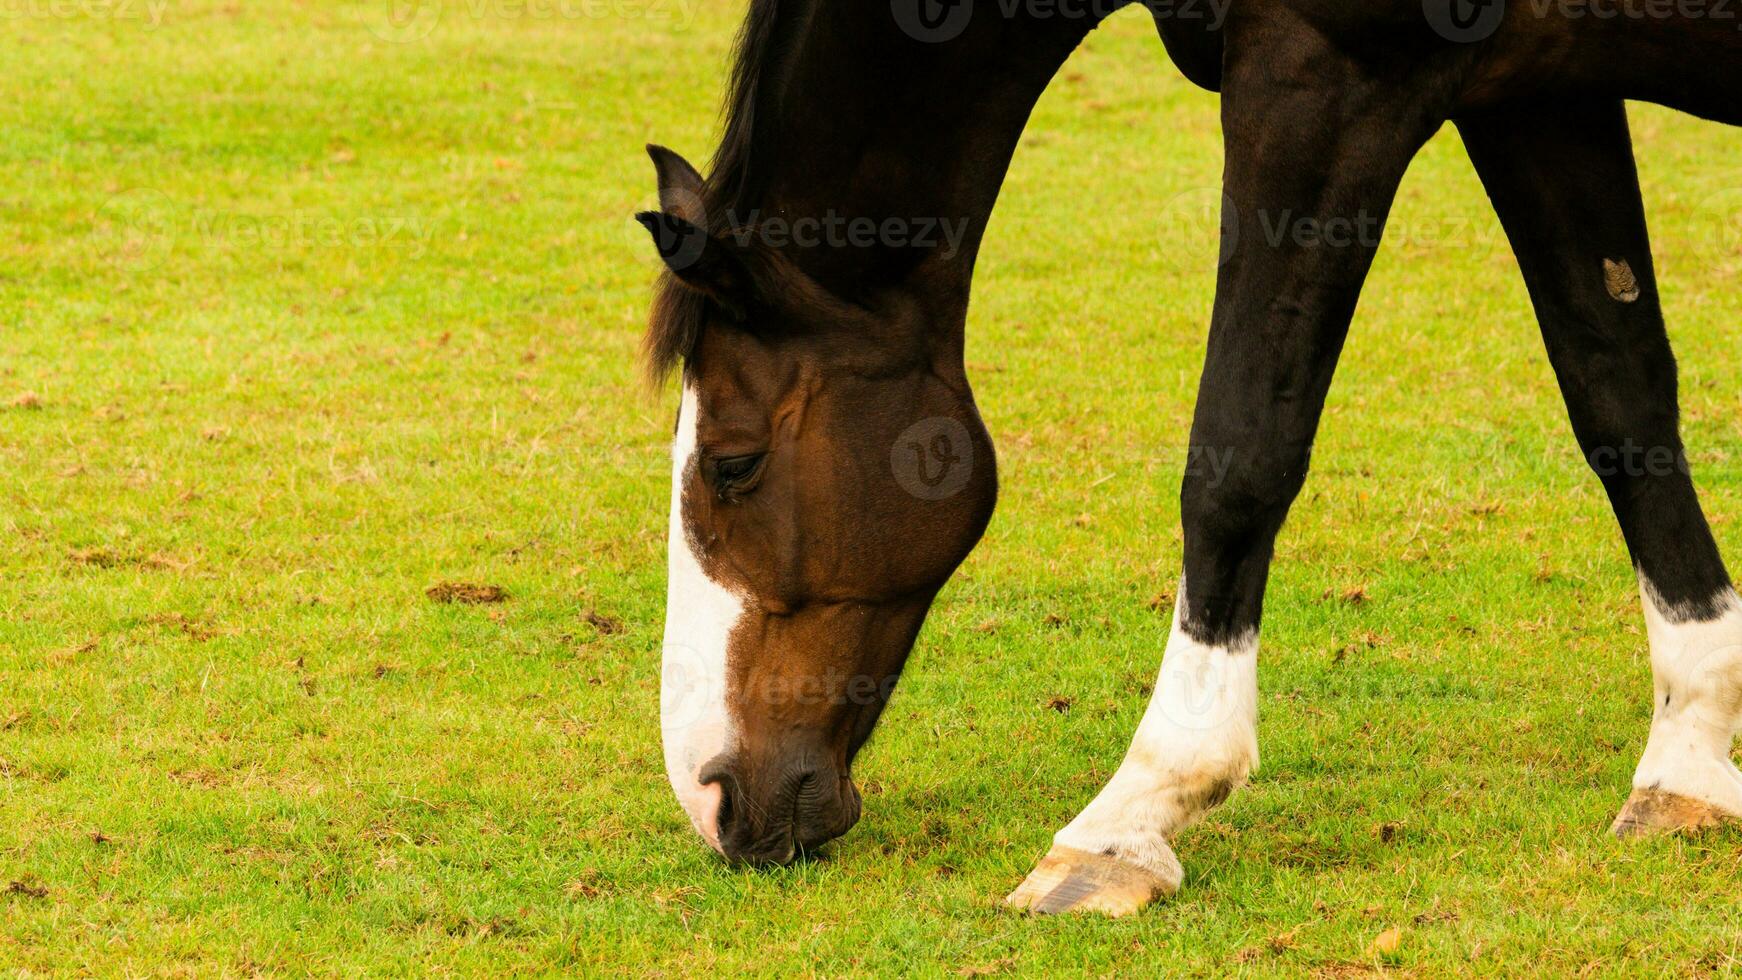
[728, 811]
[718, 773]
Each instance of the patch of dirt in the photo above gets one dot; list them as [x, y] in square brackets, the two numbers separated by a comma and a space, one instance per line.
[1354, 595]
[27, 888]
[590, 883]
[106, 558]
[606, 625]
[1060, 704]
[177, 621]
[166, 563]
[987, 969]
[467, 594]
[1344, 969]
[94, 557]
[29, 400]
[203, 778]
[498, 926]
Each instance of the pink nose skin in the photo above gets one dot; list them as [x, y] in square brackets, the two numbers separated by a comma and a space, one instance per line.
[687, 748]
[702, 803]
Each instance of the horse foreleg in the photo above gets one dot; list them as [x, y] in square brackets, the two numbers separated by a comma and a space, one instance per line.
[1562, 179]
[1312, 168]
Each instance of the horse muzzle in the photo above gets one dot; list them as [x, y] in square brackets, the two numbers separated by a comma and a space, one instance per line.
[771, 816]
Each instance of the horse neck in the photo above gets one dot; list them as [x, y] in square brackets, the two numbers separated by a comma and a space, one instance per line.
[876, 126]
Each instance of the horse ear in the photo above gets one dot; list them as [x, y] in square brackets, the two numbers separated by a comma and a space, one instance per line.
[718, 267]
[680, 186]
[715, 266]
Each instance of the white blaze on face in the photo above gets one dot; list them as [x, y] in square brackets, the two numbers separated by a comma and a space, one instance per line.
[699, 616]
[1696, 670]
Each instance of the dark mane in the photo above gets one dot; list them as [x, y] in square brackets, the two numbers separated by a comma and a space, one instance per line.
[765, 44]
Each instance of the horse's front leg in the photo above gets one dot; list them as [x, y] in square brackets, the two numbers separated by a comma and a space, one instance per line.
[1562, 179]
[1312, 167]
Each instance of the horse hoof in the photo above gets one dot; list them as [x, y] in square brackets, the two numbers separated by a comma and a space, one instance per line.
[1653, 811]
[1069, 880]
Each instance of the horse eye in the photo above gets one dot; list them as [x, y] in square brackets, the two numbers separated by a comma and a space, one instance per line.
[734, 471]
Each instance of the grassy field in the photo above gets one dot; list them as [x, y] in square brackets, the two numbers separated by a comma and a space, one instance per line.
[306, 309]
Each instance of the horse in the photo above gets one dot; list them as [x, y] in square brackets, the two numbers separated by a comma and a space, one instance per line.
[830, 469]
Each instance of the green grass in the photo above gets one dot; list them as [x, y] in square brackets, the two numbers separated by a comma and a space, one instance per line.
[315, 320]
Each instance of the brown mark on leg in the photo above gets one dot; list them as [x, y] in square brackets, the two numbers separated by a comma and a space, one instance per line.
[1619, 279]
